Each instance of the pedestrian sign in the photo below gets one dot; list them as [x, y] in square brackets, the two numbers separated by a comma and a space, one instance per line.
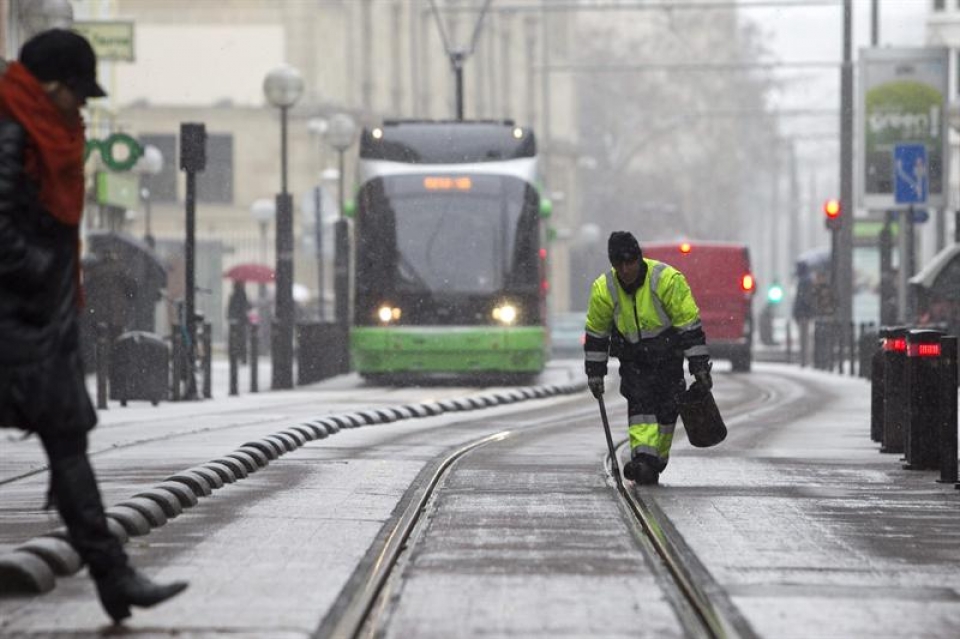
[910, 173]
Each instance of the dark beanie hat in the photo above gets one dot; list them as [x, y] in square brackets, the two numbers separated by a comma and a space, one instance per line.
[623, 247]
[63, 56]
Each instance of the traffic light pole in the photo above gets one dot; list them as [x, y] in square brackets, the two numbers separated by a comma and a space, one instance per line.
[843, 248]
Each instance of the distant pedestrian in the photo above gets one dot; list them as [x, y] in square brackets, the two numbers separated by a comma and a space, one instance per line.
[238, 309]
[41, 379]
[804, 308]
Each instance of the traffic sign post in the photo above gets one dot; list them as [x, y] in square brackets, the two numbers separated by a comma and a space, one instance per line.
[910, 174]
[910, 187]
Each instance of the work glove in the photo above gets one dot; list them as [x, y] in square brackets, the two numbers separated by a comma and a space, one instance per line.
[700, 367]
[595, 384]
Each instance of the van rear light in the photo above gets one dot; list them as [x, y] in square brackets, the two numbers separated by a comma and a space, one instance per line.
[746, 283]
[685, 247]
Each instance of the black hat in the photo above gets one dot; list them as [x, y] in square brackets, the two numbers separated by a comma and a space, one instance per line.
[623, 247]
[63, 56]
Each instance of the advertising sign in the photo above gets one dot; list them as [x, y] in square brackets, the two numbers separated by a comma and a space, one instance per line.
[903, 95]
[110, 40]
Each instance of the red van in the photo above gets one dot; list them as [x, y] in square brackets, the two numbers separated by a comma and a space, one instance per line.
[722, 283]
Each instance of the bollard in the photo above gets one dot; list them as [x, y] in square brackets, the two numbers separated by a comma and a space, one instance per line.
[867, 347]
[852, 341]
[876, 395]
[921, 435]
[254, 357]
[789, 353]
[894, 349]
[818, 346]
[207, 360]
[233, 353]
[176, 362]
[948, 408]
[102, 353]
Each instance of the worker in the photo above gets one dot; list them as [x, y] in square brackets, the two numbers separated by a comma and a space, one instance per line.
[642, 312]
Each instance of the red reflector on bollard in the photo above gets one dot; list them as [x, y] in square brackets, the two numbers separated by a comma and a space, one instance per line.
[895, 344]
[923, 350]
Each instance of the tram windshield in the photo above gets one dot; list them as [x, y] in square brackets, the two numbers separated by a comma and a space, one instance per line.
[447, 233]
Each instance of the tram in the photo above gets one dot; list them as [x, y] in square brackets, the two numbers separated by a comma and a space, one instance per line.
[449, 270]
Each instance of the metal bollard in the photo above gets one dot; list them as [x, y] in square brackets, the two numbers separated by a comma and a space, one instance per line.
[254, 357]
[207, 360]
[789, 353]
[948, 409]
[176, 362]
[101, 355]
[852, 341]
[819, 356]
[921, 437]
[876, 396]
[894, 349]
[233, 354]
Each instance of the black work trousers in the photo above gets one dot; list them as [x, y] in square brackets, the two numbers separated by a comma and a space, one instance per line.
[77, 497]
[650, 385]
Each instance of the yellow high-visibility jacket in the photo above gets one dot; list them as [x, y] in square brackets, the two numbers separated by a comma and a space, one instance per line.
[661, 310]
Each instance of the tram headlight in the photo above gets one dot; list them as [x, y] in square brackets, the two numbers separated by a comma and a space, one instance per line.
[387, 314]
[505, 314]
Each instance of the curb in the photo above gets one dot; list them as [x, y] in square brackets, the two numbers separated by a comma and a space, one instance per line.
[33, 566]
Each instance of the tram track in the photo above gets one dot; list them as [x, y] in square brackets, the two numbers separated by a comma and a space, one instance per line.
[701, 606]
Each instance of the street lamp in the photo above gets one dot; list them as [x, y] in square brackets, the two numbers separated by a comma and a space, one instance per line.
[341, 130]
[283, 86]
[150, 163]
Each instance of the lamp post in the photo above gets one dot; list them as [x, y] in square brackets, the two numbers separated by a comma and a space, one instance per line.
[318, 126]
[150, 163]
[340, 134]
[283, 86]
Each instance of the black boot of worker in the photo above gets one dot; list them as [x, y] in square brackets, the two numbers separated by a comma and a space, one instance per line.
[643, 469]
[126, 587]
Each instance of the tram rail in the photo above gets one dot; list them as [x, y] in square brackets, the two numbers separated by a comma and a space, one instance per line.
[705, 610]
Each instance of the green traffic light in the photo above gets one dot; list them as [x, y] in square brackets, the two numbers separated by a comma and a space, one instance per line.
[775, 294]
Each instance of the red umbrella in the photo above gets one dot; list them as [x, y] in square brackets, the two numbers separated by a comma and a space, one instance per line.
[259, 273]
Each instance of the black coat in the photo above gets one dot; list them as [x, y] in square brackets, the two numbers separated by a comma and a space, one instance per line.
[41, 377]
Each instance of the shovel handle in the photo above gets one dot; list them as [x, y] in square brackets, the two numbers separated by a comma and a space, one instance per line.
[614, 464]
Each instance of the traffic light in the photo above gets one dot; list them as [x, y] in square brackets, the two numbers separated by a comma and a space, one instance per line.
[775, 293]
[832, 211]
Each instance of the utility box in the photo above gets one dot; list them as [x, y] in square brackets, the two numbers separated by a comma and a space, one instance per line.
[139, 368]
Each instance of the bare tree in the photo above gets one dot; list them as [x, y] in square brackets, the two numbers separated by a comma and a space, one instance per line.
[678, 151]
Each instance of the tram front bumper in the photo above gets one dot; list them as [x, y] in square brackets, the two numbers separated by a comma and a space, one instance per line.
[448, 349]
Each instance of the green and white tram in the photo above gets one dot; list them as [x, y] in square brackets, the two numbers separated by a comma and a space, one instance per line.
[450, 270]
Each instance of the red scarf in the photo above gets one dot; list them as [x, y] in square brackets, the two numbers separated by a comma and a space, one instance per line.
[54, 153]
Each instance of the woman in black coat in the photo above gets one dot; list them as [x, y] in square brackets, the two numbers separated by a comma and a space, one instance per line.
[41, 378]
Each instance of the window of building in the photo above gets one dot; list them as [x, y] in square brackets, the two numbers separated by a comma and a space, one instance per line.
[215, 184]
[938, 5]
[163, 186]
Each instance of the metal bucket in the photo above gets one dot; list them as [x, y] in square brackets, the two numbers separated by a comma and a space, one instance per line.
[701, 417]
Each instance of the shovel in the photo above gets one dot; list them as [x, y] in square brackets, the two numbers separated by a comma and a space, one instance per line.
[614, 464]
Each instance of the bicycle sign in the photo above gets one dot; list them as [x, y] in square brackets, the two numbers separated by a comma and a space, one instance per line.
[910, 173]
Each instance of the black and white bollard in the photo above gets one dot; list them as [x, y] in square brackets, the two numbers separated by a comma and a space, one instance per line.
[894, 350]
[924, 402]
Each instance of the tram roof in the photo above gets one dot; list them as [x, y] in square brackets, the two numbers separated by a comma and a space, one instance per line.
[447, 141]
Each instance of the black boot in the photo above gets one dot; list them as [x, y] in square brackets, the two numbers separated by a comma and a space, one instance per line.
[645, 473]
[643, 469]
[126, 587]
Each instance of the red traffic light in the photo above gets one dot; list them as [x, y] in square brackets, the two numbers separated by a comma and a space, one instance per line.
[831, 208]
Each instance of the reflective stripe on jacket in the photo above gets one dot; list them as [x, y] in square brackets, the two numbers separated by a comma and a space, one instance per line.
[663, 302]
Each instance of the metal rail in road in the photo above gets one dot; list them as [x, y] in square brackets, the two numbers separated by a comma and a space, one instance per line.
[705, 612]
